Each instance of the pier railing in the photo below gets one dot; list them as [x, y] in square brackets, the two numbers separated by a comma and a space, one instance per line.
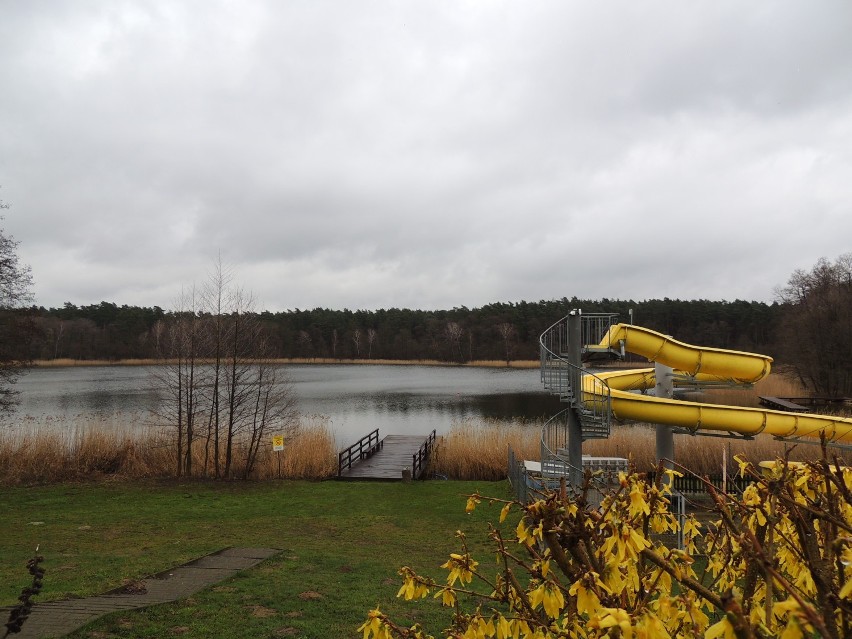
[419, 459]
[361, 449]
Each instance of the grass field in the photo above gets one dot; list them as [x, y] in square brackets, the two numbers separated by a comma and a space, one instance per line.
[342, 545]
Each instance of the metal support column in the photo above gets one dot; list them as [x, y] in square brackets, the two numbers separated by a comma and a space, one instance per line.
[575, 431]
[664, 388]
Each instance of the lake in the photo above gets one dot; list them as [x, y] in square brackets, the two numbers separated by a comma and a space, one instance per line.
[355, 398]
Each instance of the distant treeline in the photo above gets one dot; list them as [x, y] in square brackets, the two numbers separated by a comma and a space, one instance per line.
[498, 331]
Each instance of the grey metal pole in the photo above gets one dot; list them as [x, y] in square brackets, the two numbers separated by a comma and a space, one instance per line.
[664, 388]
[575, 430]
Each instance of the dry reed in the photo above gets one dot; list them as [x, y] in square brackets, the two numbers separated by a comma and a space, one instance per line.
[473, 449]
[478, 448]
[52, 456]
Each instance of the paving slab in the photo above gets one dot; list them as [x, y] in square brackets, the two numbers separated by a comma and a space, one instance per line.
[59, 618]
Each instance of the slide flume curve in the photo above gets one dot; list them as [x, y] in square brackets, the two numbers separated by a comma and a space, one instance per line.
[705, 364]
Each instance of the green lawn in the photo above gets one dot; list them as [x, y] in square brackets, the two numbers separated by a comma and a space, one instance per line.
[342, 545]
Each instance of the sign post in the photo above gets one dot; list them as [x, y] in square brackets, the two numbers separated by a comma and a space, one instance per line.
[278, 446]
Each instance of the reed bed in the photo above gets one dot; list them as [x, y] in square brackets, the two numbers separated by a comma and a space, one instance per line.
[478, 448]
[773, 385]
[701, 455]
[42, 456]
[473, 449]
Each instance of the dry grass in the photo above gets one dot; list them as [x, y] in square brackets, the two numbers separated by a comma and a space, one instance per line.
[309, 454]
[774, 385]
[700, 454]
[478, 448]
[85, 453]
[473, 449]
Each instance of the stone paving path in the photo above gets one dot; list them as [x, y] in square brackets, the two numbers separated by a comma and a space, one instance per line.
[58, 618]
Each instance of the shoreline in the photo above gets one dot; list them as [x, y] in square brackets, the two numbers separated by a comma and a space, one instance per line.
[316, 361]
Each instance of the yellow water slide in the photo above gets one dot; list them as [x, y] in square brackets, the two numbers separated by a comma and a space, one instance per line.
[705, 365]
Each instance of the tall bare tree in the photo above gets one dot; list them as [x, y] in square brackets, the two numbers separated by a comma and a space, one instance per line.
[16, 326]
[507, 332]
[453, 332]
[217, 380]
[357, 338]
[817, 326]
[213, 296]
[181, 377]
[371, 337]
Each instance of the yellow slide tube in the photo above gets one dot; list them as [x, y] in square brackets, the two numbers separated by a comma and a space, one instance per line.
[705, 364]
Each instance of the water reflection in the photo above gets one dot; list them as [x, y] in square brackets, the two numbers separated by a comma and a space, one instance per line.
[356, 399]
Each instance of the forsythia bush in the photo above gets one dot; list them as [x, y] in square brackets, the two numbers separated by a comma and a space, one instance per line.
[777, 563]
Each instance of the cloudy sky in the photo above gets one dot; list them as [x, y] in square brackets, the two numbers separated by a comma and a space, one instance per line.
[424, 153]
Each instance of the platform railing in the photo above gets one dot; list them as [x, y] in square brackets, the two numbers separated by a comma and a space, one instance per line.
[361, 449]
[419, 459]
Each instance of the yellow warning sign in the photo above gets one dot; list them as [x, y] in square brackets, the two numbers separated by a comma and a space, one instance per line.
[277, 442]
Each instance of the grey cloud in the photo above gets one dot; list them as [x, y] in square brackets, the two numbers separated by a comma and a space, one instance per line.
[425, 154]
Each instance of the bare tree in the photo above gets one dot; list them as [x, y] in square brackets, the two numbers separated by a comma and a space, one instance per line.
[214, 304]
[57, 336]
[217, 380]
[180, 377]
[334, 343]
[453, 332]
[357, 338]
[16, 325]
[817, 326]
[371, 337]
[507, 332]
[273, 407]
[305, 343]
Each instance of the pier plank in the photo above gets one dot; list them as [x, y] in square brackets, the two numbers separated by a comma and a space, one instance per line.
[388, 462]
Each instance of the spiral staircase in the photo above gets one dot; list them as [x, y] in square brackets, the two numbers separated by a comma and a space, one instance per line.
[564, 347]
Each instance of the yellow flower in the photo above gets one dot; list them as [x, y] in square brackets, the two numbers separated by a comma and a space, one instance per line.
[448, 597]
[721, 629]
[375, 626]
[412, 589]
[550, 598]
[846, 591]
[471, 503]
[461, 568]
[524, 536]
[744, 464]
[638, 505]
[587, 601]
[616, 617]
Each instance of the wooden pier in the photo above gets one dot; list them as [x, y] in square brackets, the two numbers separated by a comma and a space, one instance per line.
[394, 458]
[783, 403]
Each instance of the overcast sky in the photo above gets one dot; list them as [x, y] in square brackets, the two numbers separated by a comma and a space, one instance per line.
[424, 154]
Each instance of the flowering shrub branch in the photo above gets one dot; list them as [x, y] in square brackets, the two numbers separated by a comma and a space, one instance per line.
[777, 562]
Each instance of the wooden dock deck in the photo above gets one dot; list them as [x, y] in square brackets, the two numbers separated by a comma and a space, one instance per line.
[372, 459]
[782, 403]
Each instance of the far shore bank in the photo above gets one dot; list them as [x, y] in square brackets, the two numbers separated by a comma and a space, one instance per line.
[519, 364]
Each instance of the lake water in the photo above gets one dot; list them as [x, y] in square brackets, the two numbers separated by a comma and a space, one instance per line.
[355, 399]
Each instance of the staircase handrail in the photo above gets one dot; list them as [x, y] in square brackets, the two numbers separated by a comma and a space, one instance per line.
[582, 389]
